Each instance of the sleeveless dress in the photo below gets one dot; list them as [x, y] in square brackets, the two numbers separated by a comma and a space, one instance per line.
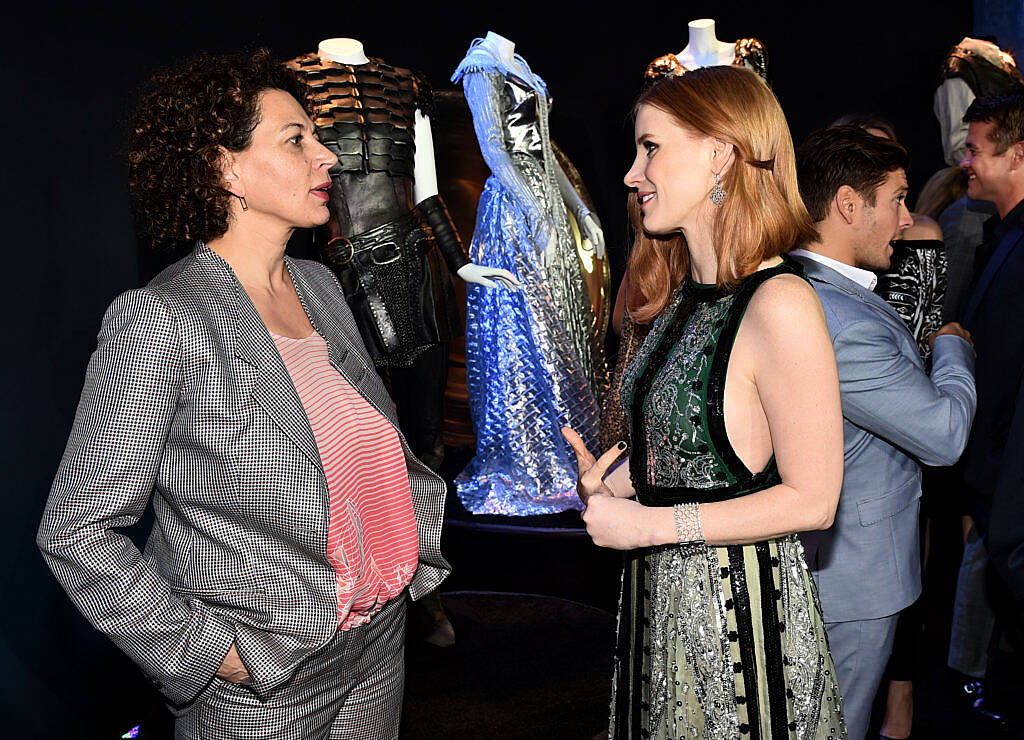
[713, 642]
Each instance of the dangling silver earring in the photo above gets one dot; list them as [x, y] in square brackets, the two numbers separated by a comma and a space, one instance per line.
[718, 192]
[245, 206]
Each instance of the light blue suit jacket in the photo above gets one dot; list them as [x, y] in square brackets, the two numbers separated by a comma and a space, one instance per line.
[894, 417]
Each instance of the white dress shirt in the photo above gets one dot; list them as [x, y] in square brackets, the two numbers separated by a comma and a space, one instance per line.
[862, 277]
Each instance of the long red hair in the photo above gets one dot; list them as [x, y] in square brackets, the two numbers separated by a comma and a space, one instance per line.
[762, 216]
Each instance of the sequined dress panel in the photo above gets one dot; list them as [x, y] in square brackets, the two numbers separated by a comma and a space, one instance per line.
[713, 642]
[915, 285]
[528, 358]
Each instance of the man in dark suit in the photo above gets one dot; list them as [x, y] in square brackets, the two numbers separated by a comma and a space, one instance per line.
[1006, 530]
[992, 313]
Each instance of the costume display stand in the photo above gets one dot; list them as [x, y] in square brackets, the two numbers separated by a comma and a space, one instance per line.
[532, 364]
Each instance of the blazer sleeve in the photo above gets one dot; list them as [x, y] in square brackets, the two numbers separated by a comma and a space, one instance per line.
[1006, 526]
[105, 481]
[885, 392]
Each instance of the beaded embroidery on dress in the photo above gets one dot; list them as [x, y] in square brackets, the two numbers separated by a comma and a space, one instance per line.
[713, 642]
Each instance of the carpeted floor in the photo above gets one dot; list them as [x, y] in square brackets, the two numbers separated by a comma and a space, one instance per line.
[523, 666]
[539, 666]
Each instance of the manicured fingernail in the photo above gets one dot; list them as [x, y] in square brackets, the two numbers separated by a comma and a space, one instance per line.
[621, 445]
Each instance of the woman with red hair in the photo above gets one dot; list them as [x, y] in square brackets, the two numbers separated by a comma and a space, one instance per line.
[736, 439]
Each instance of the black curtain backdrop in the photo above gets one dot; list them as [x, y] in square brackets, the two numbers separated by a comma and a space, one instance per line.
[70, 78]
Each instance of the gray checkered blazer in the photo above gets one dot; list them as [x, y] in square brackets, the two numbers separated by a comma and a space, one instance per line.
[188, 404]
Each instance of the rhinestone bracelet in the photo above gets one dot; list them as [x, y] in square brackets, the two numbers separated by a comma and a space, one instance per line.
[688, 526]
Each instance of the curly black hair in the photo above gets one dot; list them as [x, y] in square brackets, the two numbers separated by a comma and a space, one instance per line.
[183, 118]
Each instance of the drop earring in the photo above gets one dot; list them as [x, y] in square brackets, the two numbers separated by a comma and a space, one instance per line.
[717, 192]
[245, 206]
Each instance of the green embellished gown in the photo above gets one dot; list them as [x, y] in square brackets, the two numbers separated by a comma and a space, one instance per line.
[713, 642]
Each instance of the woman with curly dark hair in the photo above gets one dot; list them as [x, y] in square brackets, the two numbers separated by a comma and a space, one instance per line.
[234, 393]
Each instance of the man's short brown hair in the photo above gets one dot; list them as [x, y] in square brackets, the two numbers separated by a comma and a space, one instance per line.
[1005, 113]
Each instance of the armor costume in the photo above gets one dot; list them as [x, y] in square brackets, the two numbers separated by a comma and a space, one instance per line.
[748, 53]
[381, 250]
[529, 355]
[393, 258]
[915, 286]
[991, 74]
[972, 69]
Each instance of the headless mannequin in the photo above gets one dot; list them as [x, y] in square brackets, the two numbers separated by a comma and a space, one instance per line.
[521, 384]
[382, 197]
[588, 223]
[704, 49]
[989, 70]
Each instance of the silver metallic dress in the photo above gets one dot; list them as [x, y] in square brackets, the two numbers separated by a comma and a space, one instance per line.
[529, 363]
[713, 642]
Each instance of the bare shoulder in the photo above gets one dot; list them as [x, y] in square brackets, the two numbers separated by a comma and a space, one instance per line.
[784, 317]
[784, 299]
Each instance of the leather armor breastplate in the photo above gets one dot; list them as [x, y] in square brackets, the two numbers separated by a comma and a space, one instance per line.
[383, 246]
[365, 113]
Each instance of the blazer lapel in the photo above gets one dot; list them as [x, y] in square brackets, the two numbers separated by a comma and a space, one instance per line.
[1003, 251]
[344, 346]
[271, 384]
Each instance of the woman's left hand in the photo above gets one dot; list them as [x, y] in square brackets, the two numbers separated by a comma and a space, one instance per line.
[591, 471]
[619, 523]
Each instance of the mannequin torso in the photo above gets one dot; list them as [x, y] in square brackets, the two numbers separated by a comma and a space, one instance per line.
[376, 182]
[704, 49]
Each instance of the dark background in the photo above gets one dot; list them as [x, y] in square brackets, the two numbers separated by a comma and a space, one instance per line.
[70, 80]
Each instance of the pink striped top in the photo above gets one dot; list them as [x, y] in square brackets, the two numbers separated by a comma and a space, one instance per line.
[372, 540]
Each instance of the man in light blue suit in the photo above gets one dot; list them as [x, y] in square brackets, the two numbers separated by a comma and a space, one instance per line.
[896, 417]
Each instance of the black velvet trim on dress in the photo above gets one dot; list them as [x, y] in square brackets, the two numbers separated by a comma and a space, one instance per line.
[720, 366]
[659, 356]
[772, 630]
[745, 635]
[638, 692]
[629, 649]
[650, 494]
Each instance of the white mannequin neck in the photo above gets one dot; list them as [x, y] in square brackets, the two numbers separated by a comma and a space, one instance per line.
[505, 49]
[703, 48]
[342, 50]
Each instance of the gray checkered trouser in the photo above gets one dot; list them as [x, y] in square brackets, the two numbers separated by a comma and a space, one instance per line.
[351, 689]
